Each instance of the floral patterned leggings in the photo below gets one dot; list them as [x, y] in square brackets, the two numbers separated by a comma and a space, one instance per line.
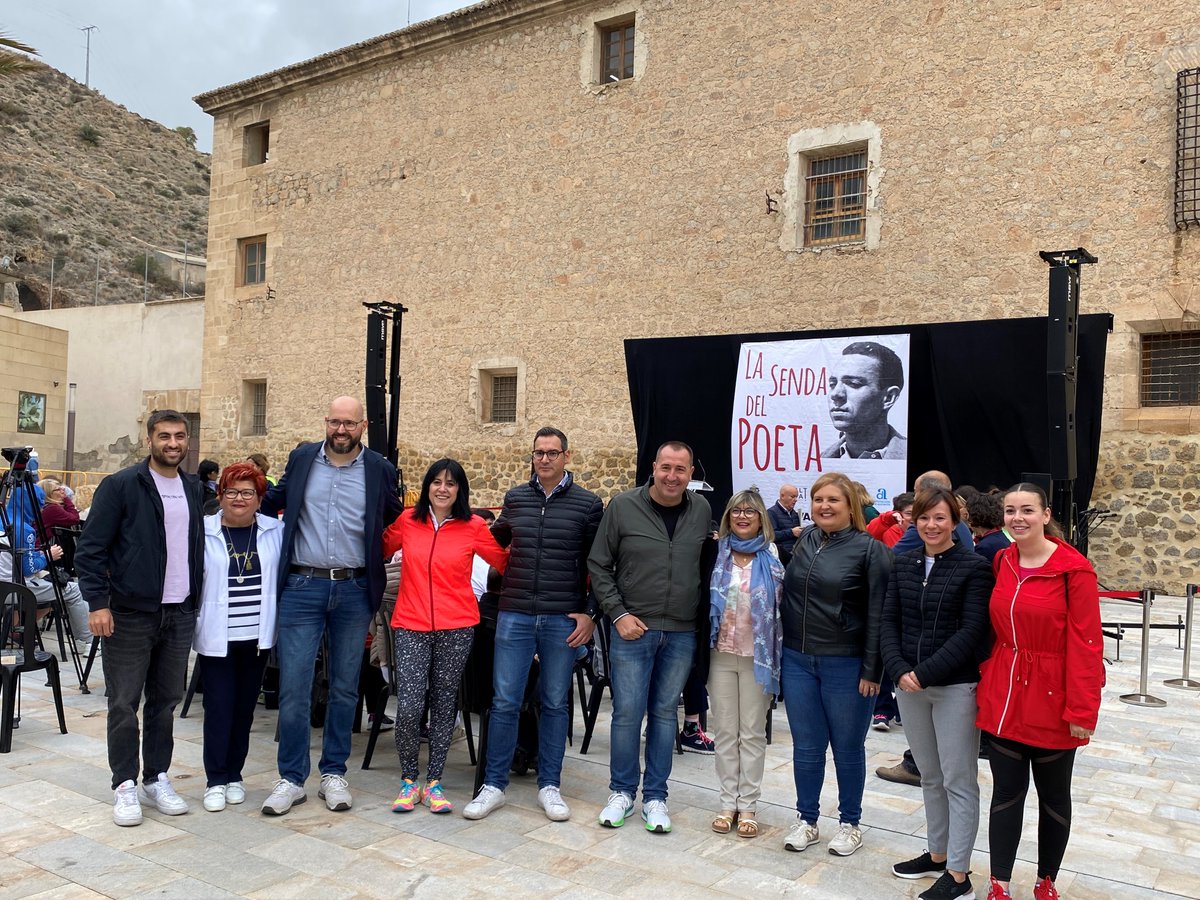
[428, 662]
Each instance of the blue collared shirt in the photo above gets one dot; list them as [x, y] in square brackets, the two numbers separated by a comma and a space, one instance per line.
[331, 531]
[561, 485]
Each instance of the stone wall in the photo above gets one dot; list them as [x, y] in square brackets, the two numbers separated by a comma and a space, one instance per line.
[464, 170]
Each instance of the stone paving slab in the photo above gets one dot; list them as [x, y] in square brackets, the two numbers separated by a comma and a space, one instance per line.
[1136, 835]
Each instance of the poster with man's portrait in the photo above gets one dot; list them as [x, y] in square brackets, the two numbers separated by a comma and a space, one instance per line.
[806, 407]
[31, 412]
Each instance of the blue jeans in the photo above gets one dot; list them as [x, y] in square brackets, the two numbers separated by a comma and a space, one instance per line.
[824, 708]
[307, 609]
[518, 637]
[648, 675]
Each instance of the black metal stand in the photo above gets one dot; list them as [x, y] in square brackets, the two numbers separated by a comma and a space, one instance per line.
[383, 429]
[1062, 358]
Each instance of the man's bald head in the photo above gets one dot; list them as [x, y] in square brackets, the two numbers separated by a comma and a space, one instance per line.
[931, 479]
[787, 496]
[347, 408]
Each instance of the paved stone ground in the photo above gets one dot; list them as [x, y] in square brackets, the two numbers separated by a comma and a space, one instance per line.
[1136, 834]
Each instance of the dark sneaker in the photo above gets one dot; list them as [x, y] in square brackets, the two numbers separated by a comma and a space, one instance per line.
[946, 888]
[880, 723]
[693, 740]
[921, 867]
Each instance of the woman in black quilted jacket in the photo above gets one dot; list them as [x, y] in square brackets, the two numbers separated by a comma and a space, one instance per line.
[934, 634]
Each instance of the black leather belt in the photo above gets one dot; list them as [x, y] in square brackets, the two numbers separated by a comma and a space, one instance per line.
[330, 574]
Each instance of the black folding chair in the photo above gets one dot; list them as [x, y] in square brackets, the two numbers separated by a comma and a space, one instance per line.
[26, 659]
[602, 678]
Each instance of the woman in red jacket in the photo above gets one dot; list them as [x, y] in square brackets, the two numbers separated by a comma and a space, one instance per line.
[434, 622]
[1040, 691]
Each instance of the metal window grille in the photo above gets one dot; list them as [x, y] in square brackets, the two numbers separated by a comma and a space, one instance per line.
[616, 47]
[255, 258]
[1187, 148]
[1171, 369]
[835, 198]
[504, 398]
[258, 408]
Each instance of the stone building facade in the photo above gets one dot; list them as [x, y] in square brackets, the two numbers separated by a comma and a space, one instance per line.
[533, 215]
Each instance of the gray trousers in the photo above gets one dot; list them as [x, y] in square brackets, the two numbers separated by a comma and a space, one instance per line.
[939, 723]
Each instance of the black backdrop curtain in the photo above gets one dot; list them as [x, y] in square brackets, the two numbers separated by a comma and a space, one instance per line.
[977, 408]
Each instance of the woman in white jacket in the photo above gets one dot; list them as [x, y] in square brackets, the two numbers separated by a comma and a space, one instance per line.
[235, 628]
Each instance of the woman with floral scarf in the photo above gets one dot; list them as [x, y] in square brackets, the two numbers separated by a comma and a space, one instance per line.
[746, 640]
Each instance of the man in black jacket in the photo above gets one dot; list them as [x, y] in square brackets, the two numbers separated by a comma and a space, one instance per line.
[548, 524]
[139, 561]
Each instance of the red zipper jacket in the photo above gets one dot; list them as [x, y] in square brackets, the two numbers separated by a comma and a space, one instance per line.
[435, 577]
[1047, 664]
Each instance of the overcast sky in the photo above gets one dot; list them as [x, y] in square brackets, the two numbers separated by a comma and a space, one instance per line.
[153, 56]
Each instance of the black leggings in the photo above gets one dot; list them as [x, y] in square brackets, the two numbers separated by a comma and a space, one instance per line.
[428, 662]
[1011, 763]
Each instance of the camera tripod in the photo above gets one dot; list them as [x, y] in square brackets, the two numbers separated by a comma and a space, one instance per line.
[20, 520]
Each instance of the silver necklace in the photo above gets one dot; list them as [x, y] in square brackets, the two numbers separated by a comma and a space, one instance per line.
[247, 558]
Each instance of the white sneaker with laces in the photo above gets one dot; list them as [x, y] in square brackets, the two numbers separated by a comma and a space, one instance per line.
[618, 807]
[552, 803]
[654, 814]
[846, 841]
[488, 799]
[284, 795]
[161, 795]
[335, 792]
[235, 792]
[801, 836]
[127, 810]
[214, 798]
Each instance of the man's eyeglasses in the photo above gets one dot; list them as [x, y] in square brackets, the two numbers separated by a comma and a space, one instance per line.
[339, 424]
[551, 455]
[233, 494]
[742, 513]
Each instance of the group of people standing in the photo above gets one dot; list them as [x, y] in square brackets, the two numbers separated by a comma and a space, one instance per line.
[1012, 648]
[766, 607]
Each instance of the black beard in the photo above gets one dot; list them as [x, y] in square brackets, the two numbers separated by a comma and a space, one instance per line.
[355, 442]
[159, 457]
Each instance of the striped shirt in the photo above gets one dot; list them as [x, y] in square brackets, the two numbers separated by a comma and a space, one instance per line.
[245, 583]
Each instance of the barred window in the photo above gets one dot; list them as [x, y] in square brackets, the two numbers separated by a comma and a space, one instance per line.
[504, 398]
[254, 408]
[616, 52]
[835, 198]
[1171, 369]
[1187, 148]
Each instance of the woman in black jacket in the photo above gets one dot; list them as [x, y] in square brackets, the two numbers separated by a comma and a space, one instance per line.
[832, 604]
[935, 632]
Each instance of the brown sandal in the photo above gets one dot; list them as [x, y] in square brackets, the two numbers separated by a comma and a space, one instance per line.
[747, 828]
[723, 824]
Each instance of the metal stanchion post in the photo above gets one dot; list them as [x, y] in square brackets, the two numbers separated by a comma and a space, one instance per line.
[1141, 698]
[1187, 683]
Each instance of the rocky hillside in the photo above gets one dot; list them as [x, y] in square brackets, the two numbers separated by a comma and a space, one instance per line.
[83, 179]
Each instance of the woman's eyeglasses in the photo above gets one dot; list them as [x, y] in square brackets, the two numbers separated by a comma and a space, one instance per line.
[741, 513]
[232, 494]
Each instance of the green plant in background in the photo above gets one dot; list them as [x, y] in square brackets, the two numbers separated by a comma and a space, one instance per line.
[89, 135]
[11, 63]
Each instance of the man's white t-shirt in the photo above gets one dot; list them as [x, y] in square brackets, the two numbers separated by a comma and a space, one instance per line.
[175, 520]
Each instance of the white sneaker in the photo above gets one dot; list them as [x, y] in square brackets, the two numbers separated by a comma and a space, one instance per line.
[619, 806]
[654, 814]
[235, 793]
[335, 792]
[801, 835]
[283, 797]
[162, 796]
[488, 799]
[214, 798]
[127, 810]
[552, 802]
[846, 841]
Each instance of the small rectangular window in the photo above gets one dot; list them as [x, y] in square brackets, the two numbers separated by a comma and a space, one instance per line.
[254, 408]
[256, 143]
[835, 198]
[504, 398]
[616, 52]
[1171, 369]
[252, 260]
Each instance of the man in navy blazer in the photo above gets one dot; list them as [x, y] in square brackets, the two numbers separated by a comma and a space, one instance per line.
[338, 497]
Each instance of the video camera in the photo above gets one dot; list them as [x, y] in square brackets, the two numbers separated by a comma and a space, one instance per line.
[18, 456]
